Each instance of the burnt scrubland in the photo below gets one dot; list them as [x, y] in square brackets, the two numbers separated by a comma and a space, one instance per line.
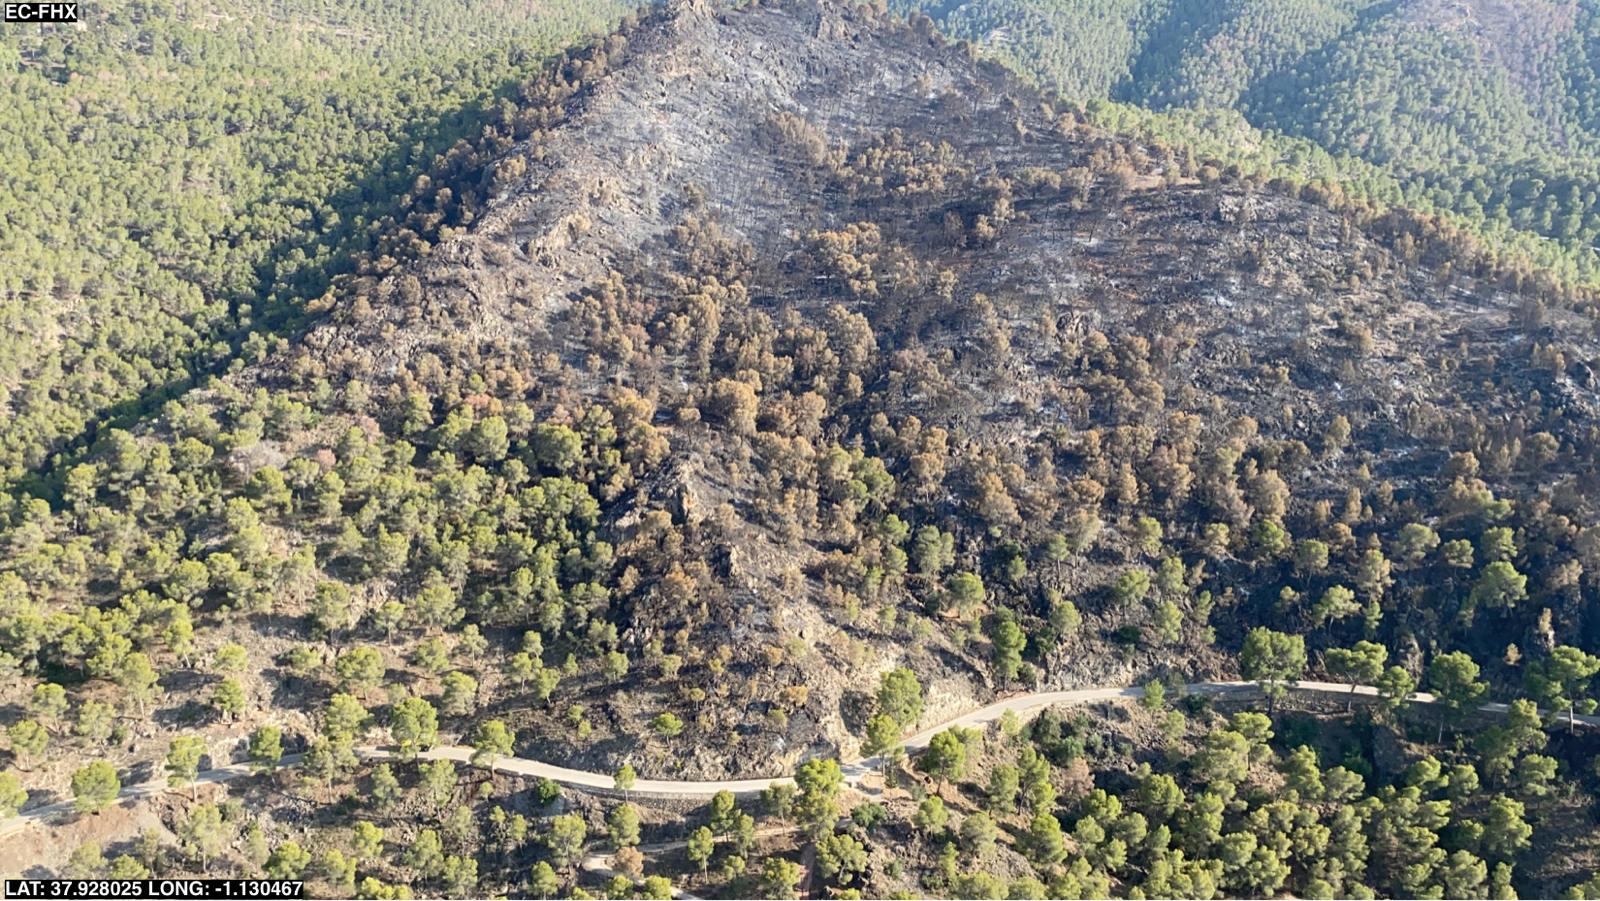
[757, 385]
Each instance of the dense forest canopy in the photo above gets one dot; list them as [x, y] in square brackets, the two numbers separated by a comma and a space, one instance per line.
[180, 177]
[1489, 109]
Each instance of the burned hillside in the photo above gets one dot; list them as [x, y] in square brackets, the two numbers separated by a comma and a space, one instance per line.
[778, 347]
[899, 323]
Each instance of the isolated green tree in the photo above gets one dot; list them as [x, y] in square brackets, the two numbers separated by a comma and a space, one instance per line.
[841, 857]
[228, 699]
[931, 815]
[490, 741]
[1499, 585]
[1396, 686]
[701, 845]
[543, 881]
[94, 787]
[1272, 659]
[624, 778]
[12, 795]
[780, 878]
[184, 754]
[564, 839]
[622, 824]
[1453, 678]
[1008, 642]
[946, 756]
[978, 834]
[818, 782]
[1361, 664]
[900, 696]
[266, 747]
[414, 726]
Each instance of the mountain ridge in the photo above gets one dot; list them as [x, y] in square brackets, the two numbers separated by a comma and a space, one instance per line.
[543, 278]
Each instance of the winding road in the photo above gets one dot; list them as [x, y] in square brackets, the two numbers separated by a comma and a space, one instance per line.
[1024, 706]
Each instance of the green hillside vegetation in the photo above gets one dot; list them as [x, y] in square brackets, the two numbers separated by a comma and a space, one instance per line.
[177, 180]
[1487, 109]
[1174, 799]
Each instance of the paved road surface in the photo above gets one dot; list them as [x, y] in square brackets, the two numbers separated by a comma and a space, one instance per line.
[1024, 706]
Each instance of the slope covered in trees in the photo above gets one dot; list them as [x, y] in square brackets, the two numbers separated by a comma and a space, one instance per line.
[1486, 109]
[756, 353]
[179, 176]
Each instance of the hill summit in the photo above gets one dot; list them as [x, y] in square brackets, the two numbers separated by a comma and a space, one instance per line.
[870, 351]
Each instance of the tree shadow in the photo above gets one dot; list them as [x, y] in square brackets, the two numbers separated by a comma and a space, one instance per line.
[43, 797]
[140, 772]
[190, 713]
